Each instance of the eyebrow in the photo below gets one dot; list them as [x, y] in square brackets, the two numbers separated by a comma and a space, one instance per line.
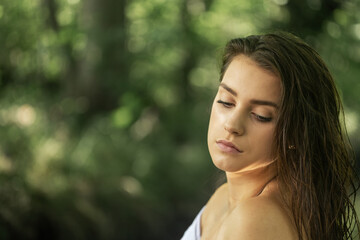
[227, 88]
[252, 101]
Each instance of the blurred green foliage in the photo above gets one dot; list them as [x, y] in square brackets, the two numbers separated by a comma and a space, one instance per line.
[105, 106]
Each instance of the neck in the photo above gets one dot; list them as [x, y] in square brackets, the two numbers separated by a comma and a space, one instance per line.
[249, 183]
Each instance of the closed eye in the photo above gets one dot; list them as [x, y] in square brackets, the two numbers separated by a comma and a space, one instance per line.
[225, 104]
[261, 118]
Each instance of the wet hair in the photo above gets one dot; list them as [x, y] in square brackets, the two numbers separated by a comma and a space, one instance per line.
[315, 161]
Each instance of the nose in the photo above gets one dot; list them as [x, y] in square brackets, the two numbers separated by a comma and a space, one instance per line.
[235, 124]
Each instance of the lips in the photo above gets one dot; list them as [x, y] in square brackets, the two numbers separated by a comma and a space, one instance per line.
[227, 146]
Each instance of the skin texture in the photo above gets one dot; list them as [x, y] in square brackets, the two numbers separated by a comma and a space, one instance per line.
[240, 121]
[244, 114]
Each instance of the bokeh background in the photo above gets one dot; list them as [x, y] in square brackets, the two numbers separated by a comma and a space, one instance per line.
[104, 106]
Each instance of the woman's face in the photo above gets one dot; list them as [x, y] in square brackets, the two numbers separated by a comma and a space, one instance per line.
[243, 117]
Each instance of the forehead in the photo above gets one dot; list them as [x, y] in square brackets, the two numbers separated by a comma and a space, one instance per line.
[247, 79]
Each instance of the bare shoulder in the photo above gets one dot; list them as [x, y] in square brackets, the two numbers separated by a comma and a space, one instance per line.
[222, 189]
[259, 218]
[220, 195]
[215, 207]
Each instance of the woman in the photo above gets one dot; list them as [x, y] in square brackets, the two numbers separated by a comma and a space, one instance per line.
[275, 131]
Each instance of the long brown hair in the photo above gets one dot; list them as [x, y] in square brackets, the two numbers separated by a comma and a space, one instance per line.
[314, 158]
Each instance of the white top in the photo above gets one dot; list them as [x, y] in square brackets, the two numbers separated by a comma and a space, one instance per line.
[194, 231]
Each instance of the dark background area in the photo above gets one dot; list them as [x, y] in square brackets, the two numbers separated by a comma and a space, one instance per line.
[104, 106]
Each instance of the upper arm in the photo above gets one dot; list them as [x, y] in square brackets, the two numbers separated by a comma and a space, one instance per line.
[259, 220]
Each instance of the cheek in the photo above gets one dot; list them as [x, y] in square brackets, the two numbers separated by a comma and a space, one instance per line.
[265, 141]
[215, 120]
[214, 125]
[211, 122]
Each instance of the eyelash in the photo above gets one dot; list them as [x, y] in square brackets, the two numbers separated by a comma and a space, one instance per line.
[258, 117]
[261, 118]
[225, 104]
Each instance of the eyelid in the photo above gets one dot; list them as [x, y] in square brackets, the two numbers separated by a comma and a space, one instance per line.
[261, 118]
[226, 104]
[258, 117]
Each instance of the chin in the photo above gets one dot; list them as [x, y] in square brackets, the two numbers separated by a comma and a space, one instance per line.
[226, 164]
